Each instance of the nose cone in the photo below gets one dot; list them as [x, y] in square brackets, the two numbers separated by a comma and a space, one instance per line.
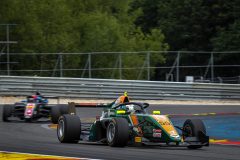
[29, 111]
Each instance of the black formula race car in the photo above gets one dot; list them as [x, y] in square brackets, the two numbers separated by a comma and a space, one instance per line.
[130, 124]
[32, 109]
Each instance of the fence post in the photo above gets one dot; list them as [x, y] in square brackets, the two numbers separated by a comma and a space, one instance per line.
[120, 65]
[89, 66]
[212, 67]
[220, 79]
[177, 66]
[8, 56]
[148, 66]
[61, 65]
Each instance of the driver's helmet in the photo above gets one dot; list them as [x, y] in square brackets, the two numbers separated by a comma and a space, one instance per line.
[130, 108]
[37, 96]
[38, 93]
[122, 99]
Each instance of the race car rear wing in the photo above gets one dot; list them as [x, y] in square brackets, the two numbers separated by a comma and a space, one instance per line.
[72, 106]
[89, 105]
[50, 97]
[30, 98]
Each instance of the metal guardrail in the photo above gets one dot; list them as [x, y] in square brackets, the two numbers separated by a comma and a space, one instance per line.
[110, 89]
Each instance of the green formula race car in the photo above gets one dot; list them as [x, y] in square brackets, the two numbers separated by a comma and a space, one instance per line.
[130, 124]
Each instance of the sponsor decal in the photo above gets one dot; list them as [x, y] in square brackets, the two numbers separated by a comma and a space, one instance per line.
[138, 139]
[28, 112]
[157, 133]
[29, 109]
[162, 120]
[30, 105]
[166, 124]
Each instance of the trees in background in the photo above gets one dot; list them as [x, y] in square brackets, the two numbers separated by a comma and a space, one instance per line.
[59, 26]
[195, 25]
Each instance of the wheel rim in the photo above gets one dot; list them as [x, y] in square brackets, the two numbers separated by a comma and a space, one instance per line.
[188, 130]
[61, 128]
[111, 132]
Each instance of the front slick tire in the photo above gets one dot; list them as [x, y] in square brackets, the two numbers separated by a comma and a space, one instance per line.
[192, 127]
[28, 120]
[69, 128]
[7, 111]
[118, 132]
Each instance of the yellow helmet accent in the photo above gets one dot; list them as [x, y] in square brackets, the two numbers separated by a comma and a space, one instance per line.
[125, 93]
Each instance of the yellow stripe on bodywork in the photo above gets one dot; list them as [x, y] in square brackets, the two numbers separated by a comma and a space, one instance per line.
[166, 124]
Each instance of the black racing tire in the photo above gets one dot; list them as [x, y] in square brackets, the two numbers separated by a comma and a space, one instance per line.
[19, 104]
[63, 108]
[117, 132]
[55, 114]
[69, 128]
[28, 120]
[191, 128]
[7, 112]
[20, 108]
[100, 131]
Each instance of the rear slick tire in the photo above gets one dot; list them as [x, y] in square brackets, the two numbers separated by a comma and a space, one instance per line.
[55, 114]
[64, 109]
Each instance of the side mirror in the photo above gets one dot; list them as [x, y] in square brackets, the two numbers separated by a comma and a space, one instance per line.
[156, 112]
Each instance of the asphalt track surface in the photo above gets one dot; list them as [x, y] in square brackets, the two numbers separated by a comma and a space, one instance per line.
[35, 138]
